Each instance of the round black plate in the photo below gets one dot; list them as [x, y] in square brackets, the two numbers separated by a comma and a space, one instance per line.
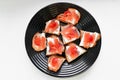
[37, 24]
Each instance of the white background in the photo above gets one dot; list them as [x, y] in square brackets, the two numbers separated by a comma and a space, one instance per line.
[14, 18]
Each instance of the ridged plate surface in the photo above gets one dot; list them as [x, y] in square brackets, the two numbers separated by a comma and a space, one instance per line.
[37, 24]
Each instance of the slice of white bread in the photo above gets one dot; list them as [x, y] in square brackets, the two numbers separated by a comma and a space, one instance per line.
[69, 33]
[93, 36]
[71, 15]
[58, 50]
[41, 40]
[73, 51]
[52, 27]
[55, 62]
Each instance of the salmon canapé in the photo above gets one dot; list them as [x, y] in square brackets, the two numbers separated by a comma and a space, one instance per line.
[71, 16]
[69, 33]
[89, 39]
[52, 27]
[73, 51]
[54, 46]
[39, 41]
[55, 62]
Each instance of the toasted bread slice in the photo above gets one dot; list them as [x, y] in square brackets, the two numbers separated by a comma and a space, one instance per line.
[89, 39]
[69, 33]
[71, 16]
[52, 27]
[55, 62]
[54, 46]
[73, 51]
[39, 41]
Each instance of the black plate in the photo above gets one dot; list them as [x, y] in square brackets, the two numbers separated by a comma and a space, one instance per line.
[37, 24]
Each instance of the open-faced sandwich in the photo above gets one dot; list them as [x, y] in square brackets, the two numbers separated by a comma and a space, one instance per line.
[55, 62]
[39, 41]
[89, 39]
[73, 51]
[54, 46]
[69, 33]
[71, 16]
[52, 27]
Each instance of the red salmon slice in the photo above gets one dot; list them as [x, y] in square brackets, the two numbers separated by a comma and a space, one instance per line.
[69, 33]
[73, 51]
[54, 46]
[89, 39]
[39, 41]
[71, 16]
[55, 62]
[52, 26]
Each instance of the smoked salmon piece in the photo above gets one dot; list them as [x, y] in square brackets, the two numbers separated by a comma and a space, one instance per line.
[73, 51]
[53, 27]
[54, 46]
[71, 16]
[69, 33]
[39, 41]
[55, 62]
[89, 39]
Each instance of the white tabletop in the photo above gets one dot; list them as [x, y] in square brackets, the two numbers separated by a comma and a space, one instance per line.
[14, 18]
